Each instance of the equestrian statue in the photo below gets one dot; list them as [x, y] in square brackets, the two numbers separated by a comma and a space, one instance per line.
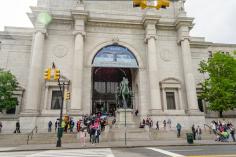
[123, 94]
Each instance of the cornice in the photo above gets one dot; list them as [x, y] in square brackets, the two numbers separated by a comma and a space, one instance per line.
[200, 44]
[80, 14]
[223, 45]
[184, 21]
[14, 35]
[150, 19]
[121, 24]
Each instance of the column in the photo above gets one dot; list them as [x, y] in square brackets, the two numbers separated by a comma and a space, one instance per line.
[87, 90]
[181, 105]
[77, 73]
[188, 76]
[143, 93]
[35, 79]
[153, 73]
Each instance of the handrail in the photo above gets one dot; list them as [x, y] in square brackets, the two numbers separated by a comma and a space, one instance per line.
[210, 129]
[30, 135]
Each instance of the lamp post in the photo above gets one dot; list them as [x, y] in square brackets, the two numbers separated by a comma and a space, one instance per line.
[61, 84]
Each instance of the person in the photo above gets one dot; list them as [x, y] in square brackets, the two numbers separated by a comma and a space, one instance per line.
[136, 112]
[198, 132]
[169, 123]
[72, 124]
[213, 127]
[97, 134]
[232, 131]
[78, 125]
[194, 132]
[17, 127]
[178, 127]
[0, 126]
[56, 125]
[49, 126]
[157, 125]
[164, 124]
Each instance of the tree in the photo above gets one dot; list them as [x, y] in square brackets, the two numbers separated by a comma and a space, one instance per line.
[8, 85]
[219, 89]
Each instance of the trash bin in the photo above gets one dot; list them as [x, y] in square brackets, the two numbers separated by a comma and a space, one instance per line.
[189, 138]
[60, 132]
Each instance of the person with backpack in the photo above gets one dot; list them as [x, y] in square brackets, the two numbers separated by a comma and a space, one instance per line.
[178, 127]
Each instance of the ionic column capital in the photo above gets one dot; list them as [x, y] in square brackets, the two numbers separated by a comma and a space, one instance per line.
[150, 36]
[183, 38]
[82, 33]
[42, 31]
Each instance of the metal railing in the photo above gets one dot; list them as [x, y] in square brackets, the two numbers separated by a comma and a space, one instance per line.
[30, 135]
[205, 125]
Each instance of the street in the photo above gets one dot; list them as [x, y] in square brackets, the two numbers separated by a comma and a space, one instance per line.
[177, 151]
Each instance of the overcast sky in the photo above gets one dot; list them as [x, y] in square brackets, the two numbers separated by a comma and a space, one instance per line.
[214, 19]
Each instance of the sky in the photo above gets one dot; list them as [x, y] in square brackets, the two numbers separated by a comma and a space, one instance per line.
[214, 19]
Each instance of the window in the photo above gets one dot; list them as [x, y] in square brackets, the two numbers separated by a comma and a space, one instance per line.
[200, 104]
[56, 100]
[227, 53]
[170, 98]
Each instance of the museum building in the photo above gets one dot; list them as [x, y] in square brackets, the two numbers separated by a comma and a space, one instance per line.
[96, 44]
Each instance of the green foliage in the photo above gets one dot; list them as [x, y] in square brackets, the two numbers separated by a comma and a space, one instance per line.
[220, 88]
[8, 85]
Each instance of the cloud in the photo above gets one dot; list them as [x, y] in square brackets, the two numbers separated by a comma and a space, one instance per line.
[214, 19]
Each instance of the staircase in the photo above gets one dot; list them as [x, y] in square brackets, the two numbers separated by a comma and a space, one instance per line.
[111, 133]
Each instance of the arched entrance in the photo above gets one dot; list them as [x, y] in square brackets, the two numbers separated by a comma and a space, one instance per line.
[110, 65]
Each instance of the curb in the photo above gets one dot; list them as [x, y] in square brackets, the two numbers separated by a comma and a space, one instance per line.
[102, 147]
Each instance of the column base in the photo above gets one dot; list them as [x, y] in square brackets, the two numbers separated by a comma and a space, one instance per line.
[195, 112]
[156, 112]
[29, 113]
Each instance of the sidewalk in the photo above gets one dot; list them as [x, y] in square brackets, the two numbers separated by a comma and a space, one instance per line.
[115, 144]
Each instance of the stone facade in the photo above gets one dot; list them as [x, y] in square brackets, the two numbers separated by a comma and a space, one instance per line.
[167, 56]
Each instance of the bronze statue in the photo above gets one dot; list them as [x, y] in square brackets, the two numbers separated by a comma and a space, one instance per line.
[123, 94]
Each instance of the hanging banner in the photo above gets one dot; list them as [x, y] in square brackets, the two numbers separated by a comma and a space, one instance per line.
[115, 56]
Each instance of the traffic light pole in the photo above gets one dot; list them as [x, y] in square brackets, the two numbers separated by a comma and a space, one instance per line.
[62, 89]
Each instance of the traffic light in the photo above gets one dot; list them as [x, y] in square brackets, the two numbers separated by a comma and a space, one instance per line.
[162, 4]
[140, 3]
[67, 95]
[47, 74]
[56, 74]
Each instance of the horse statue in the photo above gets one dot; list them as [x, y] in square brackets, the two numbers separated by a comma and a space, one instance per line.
[123, 94]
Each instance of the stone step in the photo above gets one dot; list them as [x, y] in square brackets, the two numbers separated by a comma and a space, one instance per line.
[117, 134]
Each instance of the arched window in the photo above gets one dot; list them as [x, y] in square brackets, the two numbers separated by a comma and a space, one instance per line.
[115, 56]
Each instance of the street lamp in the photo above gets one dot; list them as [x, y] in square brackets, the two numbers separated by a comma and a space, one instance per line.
[61, 84]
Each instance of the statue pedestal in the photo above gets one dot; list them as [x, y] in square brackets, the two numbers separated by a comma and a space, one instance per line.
[123, 115]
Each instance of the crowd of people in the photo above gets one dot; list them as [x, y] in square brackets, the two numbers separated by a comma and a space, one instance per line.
[92, 125]
[223, 130]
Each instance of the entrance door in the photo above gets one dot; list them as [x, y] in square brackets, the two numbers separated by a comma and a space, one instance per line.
[105, 84]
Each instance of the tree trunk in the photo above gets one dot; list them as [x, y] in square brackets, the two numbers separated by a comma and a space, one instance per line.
[221, 114]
